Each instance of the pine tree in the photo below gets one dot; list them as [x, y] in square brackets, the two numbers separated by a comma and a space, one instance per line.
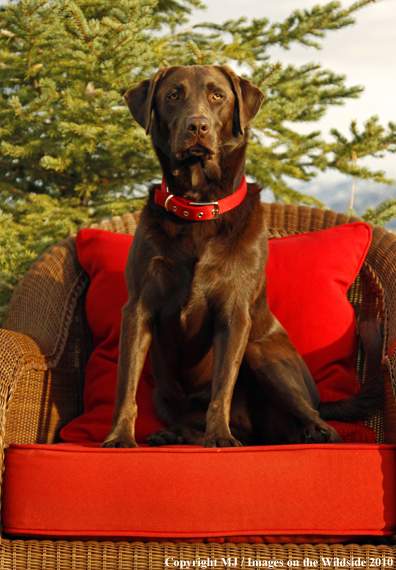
[70, 153]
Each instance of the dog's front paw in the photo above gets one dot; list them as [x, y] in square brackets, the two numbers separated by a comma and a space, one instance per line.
[221, 441]
[119, 441]
[121, 435]
[320, 434]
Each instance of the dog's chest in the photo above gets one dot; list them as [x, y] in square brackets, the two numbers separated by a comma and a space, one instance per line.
[187, 291]
[199, 284]
[215, 286]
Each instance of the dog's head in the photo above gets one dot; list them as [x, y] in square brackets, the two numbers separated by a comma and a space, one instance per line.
[196, 115]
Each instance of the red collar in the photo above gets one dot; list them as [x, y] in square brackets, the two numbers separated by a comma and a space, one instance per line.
[199, 211]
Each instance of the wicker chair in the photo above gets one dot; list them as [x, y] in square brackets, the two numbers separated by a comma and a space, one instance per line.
[45, 345]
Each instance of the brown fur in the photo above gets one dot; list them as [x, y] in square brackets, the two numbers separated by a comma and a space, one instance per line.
[225, 370]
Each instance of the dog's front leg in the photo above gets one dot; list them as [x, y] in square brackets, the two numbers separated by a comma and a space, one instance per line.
[135, 340]
[229, 343]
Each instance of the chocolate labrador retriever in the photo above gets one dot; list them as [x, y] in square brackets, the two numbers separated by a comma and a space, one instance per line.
[225, 369]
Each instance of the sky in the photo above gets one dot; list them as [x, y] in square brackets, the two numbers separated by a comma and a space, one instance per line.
[365, 54]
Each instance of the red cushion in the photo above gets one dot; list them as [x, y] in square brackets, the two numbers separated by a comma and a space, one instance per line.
[308, 276]
[191, 492]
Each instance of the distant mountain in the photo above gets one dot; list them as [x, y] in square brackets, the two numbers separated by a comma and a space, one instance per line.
[337, 194]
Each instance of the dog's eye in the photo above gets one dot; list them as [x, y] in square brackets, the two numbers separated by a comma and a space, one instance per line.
[174, 96]
[217, 96]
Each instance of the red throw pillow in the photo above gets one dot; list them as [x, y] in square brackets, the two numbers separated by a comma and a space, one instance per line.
[308, 276]
[103, 255]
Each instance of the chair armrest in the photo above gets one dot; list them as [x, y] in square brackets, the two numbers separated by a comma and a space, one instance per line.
[18, 354]
[381, 262]
[43, 304]
[41, 316]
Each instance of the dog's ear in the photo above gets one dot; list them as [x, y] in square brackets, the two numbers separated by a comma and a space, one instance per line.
[140, 99]
[248, 100]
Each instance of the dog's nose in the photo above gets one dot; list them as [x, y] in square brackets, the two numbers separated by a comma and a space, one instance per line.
[198, 125]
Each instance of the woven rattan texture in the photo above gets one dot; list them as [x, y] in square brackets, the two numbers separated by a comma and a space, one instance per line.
[125, 224]
[43, 354]
[62, 555]
[43, 304]
[46, 400]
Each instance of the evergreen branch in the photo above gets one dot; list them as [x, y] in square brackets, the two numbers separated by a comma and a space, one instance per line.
[57, 164]
[82, 25]
[299, 27]
[370, 142]
[382, 214]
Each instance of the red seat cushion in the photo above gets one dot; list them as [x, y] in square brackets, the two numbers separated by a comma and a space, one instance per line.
[308, 276]
[191, 492]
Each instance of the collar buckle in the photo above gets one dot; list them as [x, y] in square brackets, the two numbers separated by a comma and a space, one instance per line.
[167, 200]
[215, 210]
